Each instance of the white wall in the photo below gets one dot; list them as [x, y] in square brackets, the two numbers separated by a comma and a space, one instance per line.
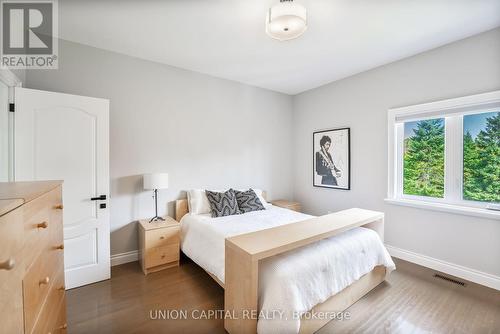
[208, 132]
[361, 102]
[203, 131]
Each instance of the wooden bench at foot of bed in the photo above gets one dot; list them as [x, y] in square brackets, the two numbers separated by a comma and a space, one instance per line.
[243, 253]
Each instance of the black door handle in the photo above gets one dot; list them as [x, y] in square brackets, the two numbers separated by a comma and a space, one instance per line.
[100, 198]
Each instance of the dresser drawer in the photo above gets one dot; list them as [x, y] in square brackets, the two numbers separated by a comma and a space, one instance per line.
[42, 224]
[161, 255]
[52, 318]
[38, 280]
[11, 229]
[162, 237]
[11, 262]
[56, 216]
[36, 229]
[61, 323]
[31, 257]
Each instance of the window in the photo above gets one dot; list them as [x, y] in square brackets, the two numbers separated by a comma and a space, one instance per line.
[446, 155]
[423, 158]
[481, 152]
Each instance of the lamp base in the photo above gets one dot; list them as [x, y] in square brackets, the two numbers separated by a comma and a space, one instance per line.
[156, 218]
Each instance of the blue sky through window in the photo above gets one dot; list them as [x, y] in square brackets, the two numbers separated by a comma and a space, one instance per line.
[472, 124]
[410, 126]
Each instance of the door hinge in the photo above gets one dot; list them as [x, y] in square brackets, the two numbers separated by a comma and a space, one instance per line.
[12, 107]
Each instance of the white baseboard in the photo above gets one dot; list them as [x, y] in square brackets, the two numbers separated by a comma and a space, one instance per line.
[126, 257]
[469, 274]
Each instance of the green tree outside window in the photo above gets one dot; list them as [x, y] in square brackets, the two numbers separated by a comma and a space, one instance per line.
[481, 178]
[423, 172]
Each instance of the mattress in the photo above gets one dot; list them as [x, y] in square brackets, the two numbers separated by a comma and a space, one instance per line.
[312, 273]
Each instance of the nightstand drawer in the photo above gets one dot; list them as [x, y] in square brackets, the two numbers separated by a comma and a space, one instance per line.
[162, 237]
[162, 255]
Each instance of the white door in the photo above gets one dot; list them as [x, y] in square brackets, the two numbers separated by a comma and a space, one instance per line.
[66, 137]
[4, 132]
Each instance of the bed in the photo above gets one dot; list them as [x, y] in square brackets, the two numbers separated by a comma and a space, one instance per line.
[327, 274]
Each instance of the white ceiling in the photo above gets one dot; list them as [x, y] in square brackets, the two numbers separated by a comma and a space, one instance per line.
[226, 39]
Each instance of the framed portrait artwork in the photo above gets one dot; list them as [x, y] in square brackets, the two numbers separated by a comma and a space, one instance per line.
[332, 159]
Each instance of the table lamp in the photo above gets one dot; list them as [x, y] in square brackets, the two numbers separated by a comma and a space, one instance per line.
[155, 181]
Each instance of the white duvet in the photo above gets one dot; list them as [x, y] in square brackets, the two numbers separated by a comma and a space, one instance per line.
[311, 274]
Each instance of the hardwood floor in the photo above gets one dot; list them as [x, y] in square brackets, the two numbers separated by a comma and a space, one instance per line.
[413, 301]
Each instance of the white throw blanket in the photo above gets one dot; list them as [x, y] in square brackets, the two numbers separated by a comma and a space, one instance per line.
[312, 273]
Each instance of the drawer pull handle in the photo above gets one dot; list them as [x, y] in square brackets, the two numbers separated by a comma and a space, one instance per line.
[163, 256]
[61, 247]
[59, 207]
[45, 280]
[162, 237]
[42, 225]
[8, 265]
[63, 326]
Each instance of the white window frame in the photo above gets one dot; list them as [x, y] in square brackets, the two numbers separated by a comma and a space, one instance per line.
[453, 111]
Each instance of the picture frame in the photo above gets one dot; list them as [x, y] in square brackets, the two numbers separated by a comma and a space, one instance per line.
[332, 158]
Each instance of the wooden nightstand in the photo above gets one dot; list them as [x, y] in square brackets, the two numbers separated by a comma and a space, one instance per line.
[283, 203]
[158, 244]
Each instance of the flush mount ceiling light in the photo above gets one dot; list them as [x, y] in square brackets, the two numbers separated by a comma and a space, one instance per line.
[286, 20]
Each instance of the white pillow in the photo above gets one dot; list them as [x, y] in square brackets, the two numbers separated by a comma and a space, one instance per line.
[198, 202]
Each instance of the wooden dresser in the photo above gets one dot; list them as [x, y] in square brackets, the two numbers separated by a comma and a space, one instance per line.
[32, 291]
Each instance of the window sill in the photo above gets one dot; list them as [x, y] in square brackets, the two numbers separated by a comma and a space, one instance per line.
[456, 209]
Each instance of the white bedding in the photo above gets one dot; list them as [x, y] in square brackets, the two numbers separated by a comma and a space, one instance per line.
[313, 273]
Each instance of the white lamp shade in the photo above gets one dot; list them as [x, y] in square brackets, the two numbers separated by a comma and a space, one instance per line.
[155, 181]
